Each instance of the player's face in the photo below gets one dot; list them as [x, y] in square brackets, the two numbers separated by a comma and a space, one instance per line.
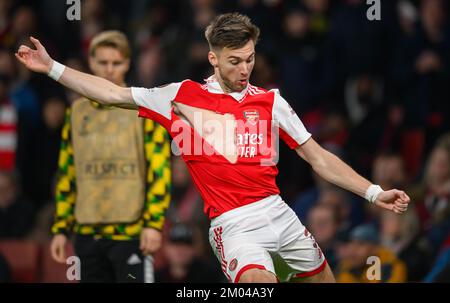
[233, 67]
[109, 63]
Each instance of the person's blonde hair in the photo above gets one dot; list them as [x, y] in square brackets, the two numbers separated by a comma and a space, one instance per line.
[111, 38]
[443, 143]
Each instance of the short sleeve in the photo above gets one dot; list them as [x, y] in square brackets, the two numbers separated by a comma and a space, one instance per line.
[292, 130]
[155, 103]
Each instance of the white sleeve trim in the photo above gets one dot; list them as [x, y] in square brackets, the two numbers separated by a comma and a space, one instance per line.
[157, 99]
[288, 120]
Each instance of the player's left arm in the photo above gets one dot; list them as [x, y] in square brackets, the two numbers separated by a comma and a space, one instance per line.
[335, 171]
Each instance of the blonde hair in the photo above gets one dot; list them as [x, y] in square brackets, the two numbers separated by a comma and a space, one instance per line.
[443, 143]
[112, 38]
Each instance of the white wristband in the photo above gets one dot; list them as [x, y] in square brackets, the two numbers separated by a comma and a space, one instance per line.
[56, 71]
[372, 193]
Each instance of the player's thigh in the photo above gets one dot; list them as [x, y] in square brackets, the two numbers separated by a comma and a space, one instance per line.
[237, 258]
[242, 244]
[256, 275]
[303, 255]
[325, 276]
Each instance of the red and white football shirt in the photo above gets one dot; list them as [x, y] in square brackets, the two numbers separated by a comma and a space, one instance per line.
[225, 182]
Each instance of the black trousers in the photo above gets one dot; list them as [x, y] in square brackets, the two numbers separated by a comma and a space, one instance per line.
[109, 261]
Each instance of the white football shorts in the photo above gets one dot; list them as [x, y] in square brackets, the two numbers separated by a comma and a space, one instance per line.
[249, 236]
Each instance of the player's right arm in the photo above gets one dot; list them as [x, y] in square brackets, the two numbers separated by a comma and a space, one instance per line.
[90, 86]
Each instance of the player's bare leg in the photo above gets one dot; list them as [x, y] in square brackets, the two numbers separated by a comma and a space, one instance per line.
[256, 275]
[325, 276]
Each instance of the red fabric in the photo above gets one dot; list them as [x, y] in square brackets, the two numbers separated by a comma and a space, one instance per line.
[313, 272]
[7, 160]
[8, 132]
[413, 143]
[223, 185]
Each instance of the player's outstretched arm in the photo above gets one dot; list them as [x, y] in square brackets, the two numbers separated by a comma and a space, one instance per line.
[335, 171]
[90, 86]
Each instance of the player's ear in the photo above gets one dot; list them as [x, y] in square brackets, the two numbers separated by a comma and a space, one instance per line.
[91, 62]
[212, 58]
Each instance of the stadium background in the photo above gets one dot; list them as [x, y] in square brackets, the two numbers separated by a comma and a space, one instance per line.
[373, 92]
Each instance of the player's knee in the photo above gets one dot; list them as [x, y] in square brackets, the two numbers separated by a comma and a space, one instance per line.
[256, 275]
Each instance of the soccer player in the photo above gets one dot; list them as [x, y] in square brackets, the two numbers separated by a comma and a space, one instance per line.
[235, 176]
[114, 179]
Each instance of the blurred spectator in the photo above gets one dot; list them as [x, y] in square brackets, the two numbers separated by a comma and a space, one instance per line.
[5, 271]
[349, 208]
[78, 64]
[183, 266]
[306, 199]
[187, 206]
[149, 66]
[434, 198]
[114, 197]
[8, 127]
[42, 166]
[421, 71]
[323, 224]
[340, 202]
[408, 15]
[440, 272]
[366, 106]
[264, 73]
[356, 45]
[19, 115]
[93, 12]
[5, 21]
[388, 171]
[41, 233]
[199, 68]
[21, 90]
[363, 94]
[23, 24]
[16, 213]
[401, 234]
[299, 60]
[364, 243]
[319, 11]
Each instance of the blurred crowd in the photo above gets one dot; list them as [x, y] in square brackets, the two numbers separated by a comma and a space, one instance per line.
[375, 93]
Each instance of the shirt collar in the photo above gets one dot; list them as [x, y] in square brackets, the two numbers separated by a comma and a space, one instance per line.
[214, 87]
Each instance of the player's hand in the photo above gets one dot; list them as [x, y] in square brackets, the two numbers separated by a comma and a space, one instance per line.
[58, 248]
[37, 59]
[394, 200]
[151, 240]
